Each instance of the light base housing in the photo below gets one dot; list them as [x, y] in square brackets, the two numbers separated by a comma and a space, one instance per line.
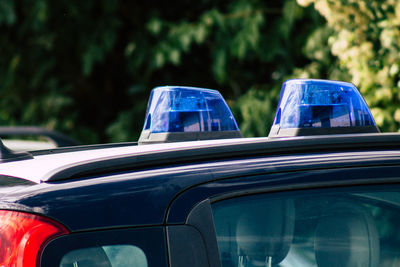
[276, 131]
[146, 137]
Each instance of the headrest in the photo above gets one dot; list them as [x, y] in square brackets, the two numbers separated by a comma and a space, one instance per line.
[94, 256]
[346, 236]
[264, 231]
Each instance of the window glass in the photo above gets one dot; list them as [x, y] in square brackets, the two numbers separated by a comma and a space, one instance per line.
[310, 228]
[105, 256]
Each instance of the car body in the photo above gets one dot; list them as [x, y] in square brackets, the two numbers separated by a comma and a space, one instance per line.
[330, 198]
[178, 204]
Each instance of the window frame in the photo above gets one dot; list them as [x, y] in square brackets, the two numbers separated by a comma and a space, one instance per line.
[201, 197]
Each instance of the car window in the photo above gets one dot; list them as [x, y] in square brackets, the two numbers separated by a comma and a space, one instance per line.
[105, 256]
[310, 228]
[135, 247]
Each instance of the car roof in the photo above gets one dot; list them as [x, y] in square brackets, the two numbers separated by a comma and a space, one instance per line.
[55, 165]
[45, 164]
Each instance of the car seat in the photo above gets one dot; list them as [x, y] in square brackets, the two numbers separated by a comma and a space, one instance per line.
[346, 235]
[88, 257]
[264, 232]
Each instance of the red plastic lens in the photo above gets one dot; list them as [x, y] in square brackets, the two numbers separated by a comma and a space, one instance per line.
[23, 236]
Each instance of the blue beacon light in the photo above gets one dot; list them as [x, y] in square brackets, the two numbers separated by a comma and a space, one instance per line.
[317, 107]
[176, 113]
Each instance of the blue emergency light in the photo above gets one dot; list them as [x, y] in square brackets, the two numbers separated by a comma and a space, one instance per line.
[177, 113]
[315, 107]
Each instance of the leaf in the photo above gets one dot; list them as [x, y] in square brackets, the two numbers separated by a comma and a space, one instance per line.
[7, 12]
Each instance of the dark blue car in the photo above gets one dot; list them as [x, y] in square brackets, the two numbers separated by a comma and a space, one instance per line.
[297, 198]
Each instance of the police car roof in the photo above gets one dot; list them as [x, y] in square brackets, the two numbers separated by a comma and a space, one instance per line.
[56, 165]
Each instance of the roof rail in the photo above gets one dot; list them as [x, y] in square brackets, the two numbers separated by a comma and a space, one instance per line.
[59, 139]
[80, 148]
[243, 148]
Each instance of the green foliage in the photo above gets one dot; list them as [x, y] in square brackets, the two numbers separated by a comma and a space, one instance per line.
[233, 34]
[86, 67]
[7, 14]
[255, 111]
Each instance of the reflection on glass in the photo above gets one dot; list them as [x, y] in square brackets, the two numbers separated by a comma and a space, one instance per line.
[105, 256]
[310, 229]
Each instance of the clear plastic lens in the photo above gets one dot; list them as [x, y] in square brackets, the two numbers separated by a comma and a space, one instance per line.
[187, 109]
[321, 104]
[23, 235]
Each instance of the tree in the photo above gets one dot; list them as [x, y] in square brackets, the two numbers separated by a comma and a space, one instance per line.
[86, 67]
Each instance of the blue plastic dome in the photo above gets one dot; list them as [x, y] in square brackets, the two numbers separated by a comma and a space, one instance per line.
[323, 105]
[175, 109]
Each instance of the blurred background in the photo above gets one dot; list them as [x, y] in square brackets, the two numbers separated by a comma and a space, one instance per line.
[86, 68]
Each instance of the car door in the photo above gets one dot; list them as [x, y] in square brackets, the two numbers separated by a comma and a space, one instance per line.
[326, 217]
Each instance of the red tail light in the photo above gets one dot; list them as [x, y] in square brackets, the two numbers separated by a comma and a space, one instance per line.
[23, 236]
